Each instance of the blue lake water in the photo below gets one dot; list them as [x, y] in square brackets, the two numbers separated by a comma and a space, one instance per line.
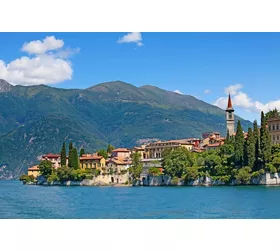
[23, 201]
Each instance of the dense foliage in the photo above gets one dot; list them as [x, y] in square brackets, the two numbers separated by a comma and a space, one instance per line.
[137, 166]
[242, 157]
[103, 152]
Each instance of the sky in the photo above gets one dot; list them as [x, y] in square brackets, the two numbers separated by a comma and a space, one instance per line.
[205, 65]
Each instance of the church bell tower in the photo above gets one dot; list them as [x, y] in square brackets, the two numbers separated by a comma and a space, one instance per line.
[230, 117]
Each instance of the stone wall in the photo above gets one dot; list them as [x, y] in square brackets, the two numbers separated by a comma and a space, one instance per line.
[264, 179]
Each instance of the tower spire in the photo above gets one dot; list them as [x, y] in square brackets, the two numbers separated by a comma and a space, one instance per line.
[229, 107]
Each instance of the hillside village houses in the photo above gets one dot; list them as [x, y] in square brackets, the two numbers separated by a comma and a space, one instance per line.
[118, 163]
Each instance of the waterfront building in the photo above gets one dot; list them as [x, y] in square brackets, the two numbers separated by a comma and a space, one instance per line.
[230, 117]
[121, 152]
[140, 150]
[155, 150]
[118, 164]
[34, 170]
[53, 158]
[92, 161]
[273, 124]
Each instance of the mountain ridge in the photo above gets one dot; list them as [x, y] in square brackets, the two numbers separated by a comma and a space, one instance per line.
[37, 119]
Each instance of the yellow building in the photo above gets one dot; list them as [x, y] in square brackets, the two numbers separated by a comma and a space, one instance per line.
[155, 150]
[274, 129]
[140, 150]
[92, 161]
[34, 171]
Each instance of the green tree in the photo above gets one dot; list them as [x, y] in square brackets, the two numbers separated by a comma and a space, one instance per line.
[82, 152]
[191, 173]
[136, 169]
[211, 161]
[110, 148]
[103, 152]
[45, 168]
[63, 155]
[73, 161]
[265, 142]
[250, 149]
[154, 171]
[175, 161]
[257, 145]
[70, 147]
[272, 114]
[239, 146]
[243, 175]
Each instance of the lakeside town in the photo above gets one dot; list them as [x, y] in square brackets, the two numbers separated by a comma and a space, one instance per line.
[251, 157]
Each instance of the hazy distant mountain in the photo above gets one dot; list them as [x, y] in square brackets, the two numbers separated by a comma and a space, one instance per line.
[37, 119]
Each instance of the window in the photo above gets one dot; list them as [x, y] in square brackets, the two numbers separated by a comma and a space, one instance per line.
[273, 127]
[274, 138]
[277, 127]
[269, 127]
[277, 137]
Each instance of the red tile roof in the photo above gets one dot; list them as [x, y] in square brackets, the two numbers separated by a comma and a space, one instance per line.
[33, 168]
[121, 150]
[51, 156]
[91, 157]
[229, 103]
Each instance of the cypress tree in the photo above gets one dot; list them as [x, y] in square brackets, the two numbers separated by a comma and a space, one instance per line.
[265, 142]
[82, 152]
[257, 145]
[63, 155]
[75, 158]
[250, 149]
[227, 141]
[70, 146]
[239, 146]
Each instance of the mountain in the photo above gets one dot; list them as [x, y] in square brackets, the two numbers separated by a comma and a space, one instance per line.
[37, 119]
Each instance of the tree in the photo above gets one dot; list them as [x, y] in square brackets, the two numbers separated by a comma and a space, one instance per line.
[239, 146]
[136, 169]
[45, 168]
[227, 141]
[272, 114]
[63, 155]
[191, 173]
[265, 142]
[82, 152]
[211, 161]
[257, 145]
[175, 161]
[250, 150]
[103, 152]
[110, 148]
[243, 175]
[73, 161]
[70, 147]
[154, 171]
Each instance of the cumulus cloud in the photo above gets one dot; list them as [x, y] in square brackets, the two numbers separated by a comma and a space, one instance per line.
[133, 37]
[207, 91]
[48, 64]
[242, 100]
[178, 92]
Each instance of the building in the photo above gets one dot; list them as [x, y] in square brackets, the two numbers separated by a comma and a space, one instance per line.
[33, 171]
[155, 150]
[121, 152]
[118, 164]
[230, 117]
[53, 158]
[140, 150]
[274, 129]
[149, 163]
[92, 161]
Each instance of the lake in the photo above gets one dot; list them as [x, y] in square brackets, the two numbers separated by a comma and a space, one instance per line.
[36, 202]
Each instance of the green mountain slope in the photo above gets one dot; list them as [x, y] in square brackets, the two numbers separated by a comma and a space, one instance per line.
[37, 119]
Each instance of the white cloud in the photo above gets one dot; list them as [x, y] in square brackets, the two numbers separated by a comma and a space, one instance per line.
[233, 89]
[243, 101]
[40, 47]
[207, 91]
[133, 37]
[42, 68]
[178, 92]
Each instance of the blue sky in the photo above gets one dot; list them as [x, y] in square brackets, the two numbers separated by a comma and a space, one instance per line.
[199, 64]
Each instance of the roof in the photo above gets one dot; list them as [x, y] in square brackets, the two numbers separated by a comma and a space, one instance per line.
[120, 160]
[229, 106]
[91, 157]
[51, 155]
[121, 150]
[214, 145]
[33, 168]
